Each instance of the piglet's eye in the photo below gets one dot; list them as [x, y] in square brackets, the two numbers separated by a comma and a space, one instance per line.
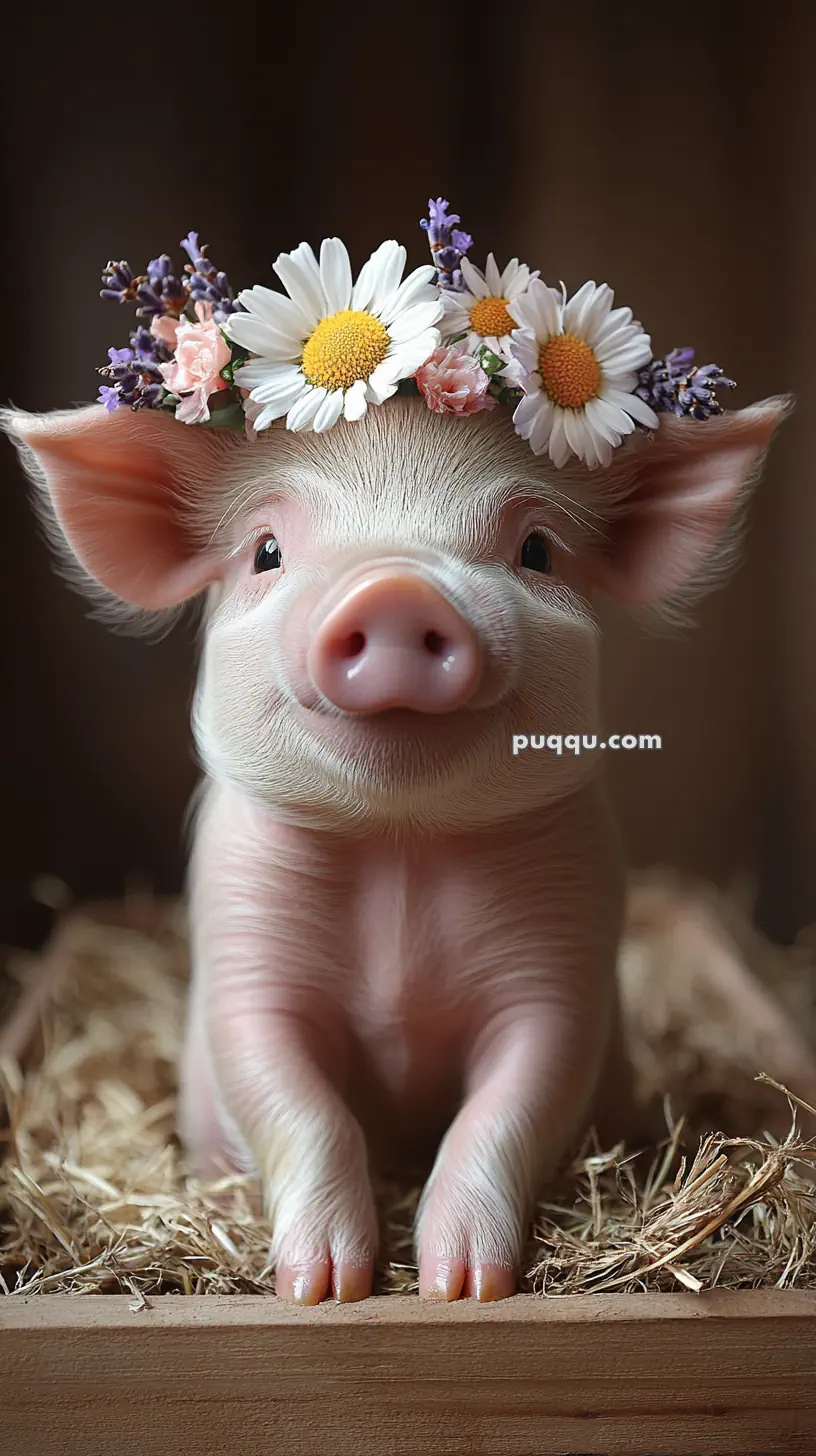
[268, 556]
[535, 553]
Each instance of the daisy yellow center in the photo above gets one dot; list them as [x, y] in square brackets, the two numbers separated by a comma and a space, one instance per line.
[344, 347]
[489, 317]
[569, 370]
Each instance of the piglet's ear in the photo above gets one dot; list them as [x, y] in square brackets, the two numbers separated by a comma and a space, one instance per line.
[684, 488]
[120, 485]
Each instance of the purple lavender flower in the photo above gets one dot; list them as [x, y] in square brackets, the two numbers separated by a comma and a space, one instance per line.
[109, 396]
[161, 294]
[448, 244]
[676, 385]
[206, 283]
[120, 285]
[133, 382]
[149, 350]
[159, 268]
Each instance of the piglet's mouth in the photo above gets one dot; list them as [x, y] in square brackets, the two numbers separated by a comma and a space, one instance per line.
[411, 741]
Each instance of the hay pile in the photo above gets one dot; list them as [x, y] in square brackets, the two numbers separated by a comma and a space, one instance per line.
[95, 1196]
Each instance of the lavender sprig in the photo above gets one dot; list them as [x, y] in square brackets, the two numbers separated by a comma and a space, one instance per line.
[676, 385]
[205, 282]
[135, 381]
[157, 291]
[448, 244]
[161, 292]
[120, 285]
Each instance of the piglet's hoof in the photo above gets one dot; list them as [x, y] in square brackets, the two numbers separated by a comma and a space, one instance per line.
[312, 1282]
[447, 1279]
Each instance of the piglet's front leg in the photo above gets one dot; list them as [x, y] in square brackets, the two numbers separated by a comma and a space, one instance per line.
[266, 996]
[531, 1079]
[309, 1150]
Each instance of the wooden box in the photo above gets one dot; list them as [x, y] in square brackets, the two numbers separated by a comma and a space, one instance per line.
[118, 1375]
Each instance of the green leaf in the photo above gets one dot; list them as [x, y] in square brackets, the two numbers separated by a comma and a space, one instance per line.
[231, 417]
[239, 356]
[489, 361]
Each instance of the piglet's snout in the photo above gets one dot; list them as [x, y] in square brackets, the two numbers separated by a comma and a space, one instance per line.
[394, 641]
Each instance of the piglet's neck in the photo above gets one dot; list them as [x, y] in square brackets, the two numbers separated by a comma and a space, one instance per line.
[546, 827]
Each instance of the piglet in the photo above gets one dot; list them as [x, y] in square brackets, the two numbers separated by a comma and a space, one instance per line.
[403, 934]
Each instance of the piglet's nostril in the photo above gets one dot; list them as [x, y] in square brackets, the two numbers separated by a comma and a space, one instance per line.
[435, 643]
[350, 646]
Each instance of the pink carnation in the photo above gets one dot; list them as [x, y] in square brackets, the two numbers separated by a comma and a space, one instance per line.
[201, 352]
[454, 383]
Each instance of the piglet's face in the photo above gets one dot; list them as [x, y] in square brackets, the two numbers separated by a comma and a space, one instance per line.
[401, 597]
[389, 603]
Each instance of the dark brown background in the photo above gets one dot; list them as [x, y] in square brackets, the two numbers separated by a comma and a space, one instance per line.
[669, 150]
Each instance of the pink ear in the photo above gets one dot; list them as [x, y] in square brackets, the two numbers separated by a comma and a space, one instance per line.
[117, 483]
[685, 486]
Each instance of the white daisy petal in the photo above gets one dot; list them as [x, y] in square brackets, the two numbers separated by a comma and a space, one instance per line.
[474, 279]
[617, 318]
[267, 416]
[379, 277]
[558, 445]
[607, 347]
[278, 404]
[418, 287]
[262, 371]
[632, 405]
[493, 277]
[576, 309]
[282, 396]
[524, 348]
[514, 274]
[329, 412]
[604, 448]
[300, 276]
[537, 309]
[377, 392]
[404, 359]
[526, 411]
[597, 313]
[354, 405]
[456, 303]
[542, 425]
[623, 383]
[415, 320]
[276, 309]
[629, 357]
[335, 274]
[261, 338]
[278, 386]
[608, 420]
[576, 432]
[303, 412]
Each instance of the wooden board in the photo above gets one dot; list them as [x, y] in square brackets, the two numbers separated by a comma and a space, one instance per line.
[232, 1376]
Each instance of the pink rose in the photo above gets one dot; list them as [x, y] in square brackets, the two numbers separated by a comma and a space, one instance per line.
[201, 351]
[454, 383]
[165, 329]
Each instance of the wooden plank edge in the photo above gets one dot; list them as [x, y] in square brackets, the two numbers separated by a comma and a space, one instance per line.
[112, 1311]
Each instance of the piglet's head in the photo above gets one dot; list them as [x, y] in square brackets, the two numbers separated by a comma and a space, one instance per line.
[387, 604]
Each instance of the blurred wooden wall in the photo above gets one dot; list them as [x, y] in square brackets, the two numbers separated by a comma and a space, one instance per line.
[667, 150]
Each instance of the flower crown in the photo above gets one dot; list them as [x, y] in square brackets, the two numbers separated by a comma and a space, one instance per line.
[578, 373]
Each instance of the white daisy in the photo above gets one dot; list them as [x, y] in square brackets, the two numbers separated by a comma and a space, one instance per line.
[481, 312]
[332, 347]
[577, 363]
